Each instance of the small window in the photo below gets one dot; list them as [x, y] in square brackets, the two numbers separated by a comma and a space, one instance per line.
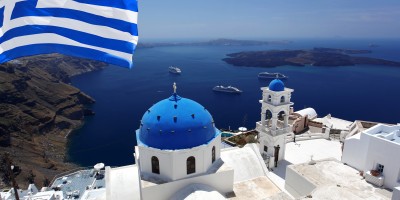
[380, 168]
[191, 165]
[213, 155]
[269, 98]
[155, 165]
[268, 114]
[282, 99]
[265, 149]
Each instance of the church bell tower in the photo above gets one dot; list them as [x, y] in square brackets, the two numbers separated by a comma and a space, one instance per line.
[274, 127]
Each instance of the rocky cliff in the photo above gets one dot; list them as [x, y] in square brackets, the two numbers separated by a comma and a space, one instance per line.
[38, 109]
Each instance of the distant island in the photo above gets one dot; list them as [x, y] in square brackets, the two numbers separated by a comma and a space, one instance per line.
[316, 57]
[38, 109]
[217, 42]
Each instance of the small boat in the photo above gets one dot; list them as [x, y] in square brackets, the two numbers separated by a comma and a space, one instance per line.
[267, 75]
[228, 89]
[174, 70]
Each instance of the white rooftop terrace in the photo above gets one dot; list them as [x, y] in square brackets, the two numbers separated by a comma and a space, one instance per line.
[328, 154]
[301, 152]
[390, 133]
[333, 122]
[333, 181]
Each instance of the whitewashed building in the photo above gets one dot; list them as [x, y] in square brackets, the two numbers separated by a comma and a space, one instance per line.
[376, 148]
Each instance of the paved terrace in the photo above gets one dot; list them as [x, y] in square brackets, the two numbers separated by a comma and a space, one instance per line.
[332, 172]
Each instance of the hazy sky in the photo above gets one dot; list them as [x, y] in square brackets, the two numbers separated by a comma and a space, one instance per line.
[269, 18]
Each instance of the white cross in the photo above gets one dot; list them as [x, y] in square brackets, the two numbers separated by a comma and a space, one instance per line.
[8, 9]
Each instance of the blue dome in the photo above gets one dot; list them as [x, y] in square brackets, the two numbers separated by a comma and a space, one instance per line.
[276, 85]
[176, 123]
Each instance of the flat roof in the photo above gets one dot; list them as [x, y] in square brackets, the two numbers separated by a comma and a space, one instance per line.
[386, 132]
[300, 152]
[333, 122]
[257, 188]
[335, 180]
[246, 162]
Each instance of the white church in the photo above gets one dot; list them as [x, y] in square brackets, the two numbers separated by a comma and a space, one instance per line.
[179, 154]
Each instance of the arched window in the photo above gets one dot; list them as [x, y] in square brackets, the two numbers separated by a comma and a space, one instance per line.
[281, 115]
[155, 165]
[269, 98]
[268, 114]
[213, 155]
[282, 99]
[191, 165]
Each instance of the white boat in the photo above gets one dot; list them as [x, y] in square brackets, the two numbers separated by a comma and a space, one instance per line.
[267, 75]
[174, 70]
[228, 89]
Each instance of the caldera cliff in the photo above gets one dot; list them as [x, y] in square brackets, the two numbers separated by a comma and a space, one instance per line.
[38, 109]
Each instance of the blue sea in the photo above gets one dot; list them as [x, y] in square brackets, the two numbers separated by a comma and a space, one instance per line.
[122, 95]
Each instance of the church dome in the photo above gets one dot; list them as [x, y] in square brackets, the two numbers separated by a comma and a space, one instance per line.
[276, 85]
[176, 123]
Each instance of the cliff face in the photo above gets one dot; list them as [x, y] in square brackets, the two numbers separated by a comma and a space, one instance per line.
[38, 108]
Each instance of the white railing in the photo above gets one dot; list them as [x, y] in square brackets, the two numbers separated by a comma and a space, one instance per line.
[279, 131]
[305, 136]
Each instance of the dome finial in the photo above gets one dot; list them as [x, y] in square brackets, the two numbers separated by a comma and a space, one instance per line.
[277, 76]
[174, 86]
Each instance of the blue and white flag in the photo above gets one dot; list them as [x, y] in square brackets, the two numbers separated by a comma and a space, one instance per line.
[104, 30]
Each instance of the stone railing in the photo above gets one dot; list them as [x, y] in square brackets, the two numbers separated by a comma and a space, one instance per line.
[261, 128]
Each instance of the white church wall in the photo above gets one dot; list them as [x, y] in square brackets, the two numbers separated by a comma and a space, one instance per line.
[221, 181]
[164, 158]
[173, 162]
[180, 158]
[202, 154]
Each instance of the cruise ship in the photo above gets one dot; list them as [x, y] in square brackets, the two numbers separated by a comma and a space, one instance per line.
[267, 75]
[174, 70]
[228, 89]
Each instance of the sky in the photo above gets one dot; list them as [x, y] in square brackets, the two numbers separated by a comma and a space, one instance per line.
[251, 19]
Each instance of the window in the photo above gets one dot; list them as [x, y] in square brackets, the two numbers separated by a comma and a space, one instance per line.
[265, 149]
[282, 99]
[380, 168]
[268, 114]
[155, 165]
[269, 98]
[213, 155]
[281, 115]
[191, 165]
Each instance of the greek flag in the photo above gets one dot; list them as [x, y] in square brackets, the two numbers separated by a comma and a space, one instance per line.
[104, 30]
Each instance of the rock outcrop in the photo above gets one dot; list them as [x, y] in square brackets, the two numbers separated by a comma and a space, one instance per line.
[39, 108]
[317, 57]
